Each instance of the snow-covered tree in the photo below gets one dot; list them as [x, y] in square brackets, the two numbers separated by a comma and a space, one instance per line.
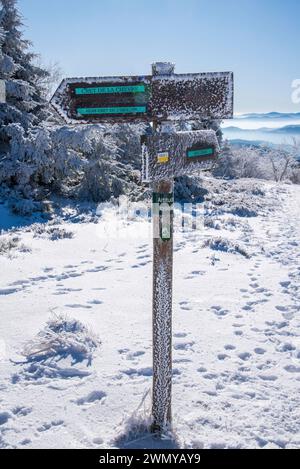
[25, 103]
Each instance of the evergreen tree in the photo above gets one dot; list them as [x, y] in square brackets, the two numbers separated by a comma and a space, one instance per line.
[25, 104]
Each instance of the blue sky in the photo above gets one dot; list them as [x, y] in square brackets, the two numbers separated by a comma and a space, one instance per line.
[259, 40]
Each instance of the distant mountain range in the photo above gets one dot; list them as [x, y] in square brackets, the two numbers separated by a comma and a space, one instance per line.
[270, 115]
[288, 129]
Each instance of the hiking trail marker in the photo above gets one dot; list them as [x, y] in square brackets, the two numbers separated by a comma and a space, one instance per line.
[145, 98]
[158, 99]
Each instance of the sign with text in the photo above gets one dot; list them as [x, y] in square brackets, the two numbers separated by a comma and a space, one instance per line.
[145, 98]
[96, 100]
[168, 155]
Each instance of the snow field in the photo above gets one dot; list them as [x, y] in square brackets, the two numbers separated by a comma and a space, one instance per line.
[236, 348]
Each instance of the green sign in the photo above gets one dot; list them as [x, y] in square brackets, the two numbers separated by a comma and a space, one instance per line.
[163, 198]
[160, 201]
[111, 90]
[112, 110]
[202, 152]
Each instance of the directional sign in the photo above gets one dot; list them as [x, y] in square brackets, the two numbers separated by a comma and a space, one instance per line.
[145, 98]
[192, 96]
[169, 155]
[111, 99]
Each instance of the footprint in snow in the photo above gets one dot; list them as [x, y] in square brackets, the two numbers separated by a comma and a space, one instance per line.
[219, 311]
[78, 306]
[183, 345]
[235, 324]
[285, 284]
[134, 372]
[184, 305]
[47, 426]
[277, 325]
[21, 411]
[259, 351]
[95, 302]
[91, 398]
[134, 355]
[281, 308]
[229, 347]
[210, 376]
[292, 368]
[9, 291]
[222, 356]
[145, 256]
[99, 268]
[285, 347]
[4, 417]
[25, 442]
[141, 264]
[182, 360]
[244, 356]
[268, 377]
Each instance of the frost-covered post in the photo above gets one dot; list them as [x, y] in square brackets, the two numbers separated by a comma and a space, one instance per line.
[163, 199]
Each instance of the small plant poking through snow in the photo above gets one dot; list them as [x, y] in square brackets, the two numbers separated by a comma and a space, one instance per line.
[62, 337]
[135, 431]
[9, 245]
[53, 233]
[225, 245]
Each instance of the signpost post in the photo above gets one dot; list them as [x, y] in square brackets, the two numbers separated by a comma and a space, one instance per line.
[163, 203]
[2, 92]
[160, 98]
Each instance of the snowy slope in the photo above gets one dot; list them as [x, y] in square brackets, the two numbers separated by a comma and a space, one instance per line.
[236, 328]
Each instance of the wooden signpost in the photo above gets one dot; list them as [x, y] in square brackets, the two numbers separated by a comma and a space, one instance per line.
[159, 98]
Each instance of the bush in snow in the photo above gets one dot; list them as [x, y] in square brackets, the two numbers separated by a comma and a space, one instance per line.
[7, 244]
[230, 224]
[10, 245]
[135, 431]
[225, 245]
[62, 337]
[53, 233]
[24, 207]
[263, 162]
[189, 189]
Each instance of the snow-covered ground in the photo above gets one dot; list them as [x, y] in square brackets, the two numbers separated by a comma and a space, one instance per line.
[236, 327]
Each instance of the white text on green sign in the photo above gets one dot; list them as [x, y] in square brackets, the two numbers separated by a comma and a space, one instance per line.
[202, 152]
[111, 90]
[112, 110]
